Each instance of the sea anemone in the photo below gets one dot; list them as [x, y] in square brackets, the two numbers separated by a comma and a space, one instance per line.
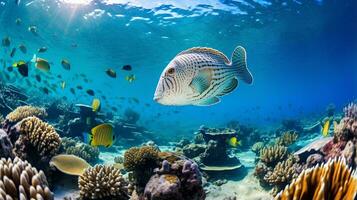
[103, 182]
[19, 180]
[332, 180]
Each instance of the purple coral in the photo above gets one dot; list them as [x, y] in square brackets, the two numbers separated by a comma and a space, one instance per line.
[192, 173]
[351, 111]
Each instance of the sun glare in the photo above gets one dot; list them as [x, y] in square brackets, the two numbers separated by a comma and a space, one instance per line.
[77, 2]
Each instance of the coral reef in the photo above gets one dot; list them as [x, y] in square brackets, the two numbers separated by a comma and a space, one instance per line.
[103, 182]
[193, 150]
[75, 147]
[22, 112]
[332, 180]
[287, 138]
[180, 180]
[216, 152]
[282, 174]
[273, 154]
[5, 145]
[19, 180]
[38, 141]
[141, 161]
[257, 147]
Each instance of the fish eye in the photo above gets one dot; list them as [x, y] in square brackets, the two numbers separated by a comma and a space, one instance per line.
[171, 71]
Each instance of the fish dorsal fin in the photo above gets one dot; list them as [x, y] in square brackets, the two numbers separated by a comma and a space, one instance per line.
[230, 86]
[201, 81]
[208, 101]
[206, 50]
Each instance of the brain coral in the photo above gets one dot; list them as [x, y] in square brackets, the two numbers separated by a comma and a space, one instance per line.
[36, 137]
[19, 180]
[140, 157]
[103, 182]
[332, 180]
[22, 112]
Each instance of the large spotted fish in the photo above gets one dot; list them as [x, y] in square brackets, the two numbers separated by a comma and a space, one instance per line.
[200, 76]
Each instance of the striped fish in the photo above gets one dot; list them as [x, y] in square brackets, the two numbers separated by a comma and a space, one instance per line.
[200, 76]
[101, 135]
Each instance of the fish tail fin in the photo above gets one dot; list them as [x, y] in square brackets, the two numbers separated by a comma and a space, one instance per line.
[87, 138]
[34, 58]
[239, 60]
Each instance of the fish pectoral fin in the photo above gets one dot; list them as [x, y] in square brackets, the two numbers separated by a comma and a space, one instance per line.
[201, 81]
[208, 102]
[229, 86]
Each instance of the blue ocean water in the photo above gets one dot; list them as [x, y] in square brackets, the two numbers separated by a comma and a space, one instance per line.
[302, 54]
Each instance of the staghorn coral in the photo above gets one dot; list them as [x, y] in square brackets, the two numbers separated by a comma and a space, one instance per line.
[282, 174]
[332, 180]
[19, 180]
[22, 112]
[80, 149]
[103, 182]
[273, 154]
[38, 141]
[287, 138]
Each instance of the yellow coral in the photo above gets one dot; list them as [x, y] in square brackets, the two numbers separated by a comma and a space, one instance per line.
[22, 112]
[103, 182]
[140, 157]
[282, 174]
[287, 138]
[273, 154]
[171, 178]
[331, 181]
[42, 136]
[19, 180]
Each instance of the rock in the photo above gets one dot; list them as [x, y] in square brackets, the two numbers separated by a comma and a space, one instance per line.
[314, 159]
[163, 187]
[5, 145]
[350, 153]
[193, 150]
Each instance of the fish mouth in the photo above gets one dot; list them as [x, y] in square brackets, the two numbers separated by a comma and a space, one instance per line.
[157, 98]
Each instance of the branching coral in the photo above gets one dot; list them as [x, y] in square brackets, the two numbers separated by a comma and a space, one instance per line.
[37, 140]
[287, 138]
[22, 112]
[19, 180]
[347, 128]
[332, 180]
[273, 154]
[282, 174]
[103, 182]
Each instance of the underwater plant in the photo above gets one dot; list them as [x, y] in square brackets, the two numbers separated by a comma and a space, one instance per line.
[19, 180]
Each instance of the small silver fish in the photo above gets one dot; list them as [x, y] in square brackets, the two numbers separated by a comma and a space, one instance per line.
[200, 76]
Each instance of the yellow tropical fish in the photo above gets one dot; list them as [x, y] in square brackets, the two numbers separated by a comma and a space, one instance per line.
[326, 128]
[41, 63]
[101, 135]
[233, 142]
[130, 78]
[63, 84]
[96, 105]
